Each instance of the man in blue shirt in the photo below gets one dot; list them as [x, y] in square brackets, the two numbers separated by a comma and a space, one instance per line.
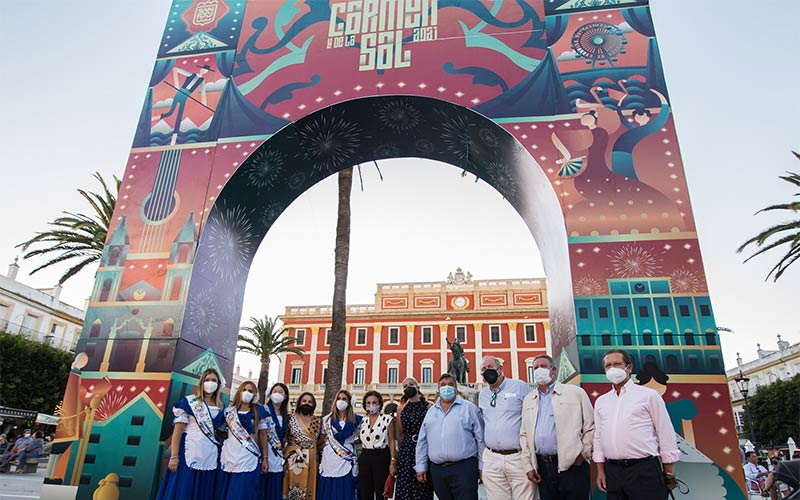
[504, 468]
[15, 450]
[451, 440]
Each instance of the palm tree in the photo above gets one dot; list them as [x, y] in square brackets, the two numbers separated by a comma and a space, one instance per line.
[786, 232]
[333, 376]
[265, 341]
[75, 235]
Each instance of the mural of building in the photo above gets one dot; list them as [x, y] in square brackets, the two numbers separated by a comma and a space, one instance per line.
[38, 313]
[559, 105]
[770, 366]
[405, 333]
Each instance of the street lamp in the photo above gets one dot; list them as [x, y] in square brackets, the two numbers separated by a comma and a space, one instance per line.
[743, 384]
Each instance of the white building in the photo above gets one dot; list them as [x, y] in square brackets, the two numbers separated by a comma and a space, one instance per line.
[770, 366]
[38, 314]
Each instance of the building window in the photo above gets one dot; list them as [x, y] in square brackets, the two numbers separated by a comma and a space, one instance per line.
[530, 333]
[427, 375]
[137, 420]
[494, 334]
[586, 339]
[669, 339]
[684, 310]
[627, 339]
[688, 338]
[129, 461]
[711, 338]
[530, 373]
[623, 311]
[325, 372]
[297, 375]
[392, 375]
[588, 363]
[644, 312]
[327, 336]
[647, 339]
[583, 313]
[394, 335]
[359, 375]
[427, 335]
[602, 312]
[663, 311]
[461, 334]
[361, 336]
[605, 339]
[705, 310]
[300, 337]
[713, 363]
[672, 363]
[693, 362]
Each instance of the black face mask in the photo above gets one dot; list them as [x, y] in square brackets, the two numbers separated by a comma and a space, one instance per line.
[490, 376]
[305, 409]
[410, 391]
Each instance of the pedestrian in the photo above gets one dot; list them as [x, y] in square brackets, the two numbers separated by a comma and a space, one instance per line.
[753, 471]
[244, 452]
[377, 459]
[194, 450]
[450, 440]
[632, 430]
[10, 455]
[33, 449]
[556, 435]
[504, 466]
[410, 414]
[277, 409]
[301, 450]
[338, 467]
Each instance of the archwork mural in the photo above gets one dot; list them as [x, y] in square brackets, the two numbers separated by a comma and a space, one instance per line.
[559, 105]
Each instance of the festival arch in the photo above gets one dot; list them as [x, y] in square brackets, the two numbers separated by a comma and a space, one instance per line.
[559, 105]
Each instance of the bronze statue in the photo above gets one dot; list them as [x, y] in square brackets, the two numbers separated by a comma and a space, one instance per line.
[458, 366]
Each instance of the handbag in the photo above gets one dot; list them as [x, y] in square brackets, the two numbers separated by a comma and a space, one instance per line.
[388, 487]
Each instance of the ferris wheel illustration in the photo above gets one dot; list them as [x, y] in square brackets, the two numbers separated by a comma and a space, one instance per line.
[598, 43]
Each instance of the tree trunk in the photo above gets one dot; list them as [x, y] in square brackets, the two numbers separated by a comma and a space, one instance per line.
[333, 377]
[263, 380]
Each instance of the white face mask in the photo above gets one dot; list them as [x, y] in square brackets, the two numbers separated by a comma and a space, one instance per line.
[247, 396]
[341, 405]
[373, 409]
[542, 376]
[277, 398]
[616, 375]
[209, 386]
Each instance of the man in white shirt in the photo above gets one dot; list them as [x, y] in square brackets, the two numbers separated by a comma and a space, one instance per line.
[556, 435]
[753, 471]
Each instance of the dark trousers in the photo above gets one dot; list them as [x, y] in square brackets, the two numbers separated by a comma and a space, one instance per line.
[642, 480]
[572, 484]
[373, 468]
[456, 481]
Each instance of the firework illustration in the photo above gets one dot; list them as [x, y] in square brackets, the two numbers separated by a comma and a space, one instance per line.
[296, 181]
[684, 281]
[386, 151]
[228, 242]
[265, 168]
[588, 287]
[271, 212]
[455, 137]
[109, 405]
[424, 146]
[489, 137]
[329, 142]
[633, 261]
[501, 177]
[399, 115]
[201, 315]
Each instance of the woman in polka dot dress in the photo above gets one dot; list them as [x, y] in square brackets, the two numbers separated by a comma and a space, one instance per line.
[409, 420]
[377, 460]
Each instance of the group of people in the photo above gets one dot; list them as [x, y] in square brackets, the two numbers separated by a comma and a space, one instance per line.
[517, 440]
[28, 445]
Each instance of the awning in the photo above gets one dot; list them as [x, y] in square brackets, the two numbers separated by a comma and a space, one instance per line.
[45, 419]
[17, 413]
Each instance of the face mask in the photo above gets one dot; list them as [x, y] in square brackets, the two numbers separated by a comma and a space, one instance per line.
[410, 391]
[277, 398]
[247, 396]
[305, 409]
[373, 409]
[490, 375]
[616, 375]
[27, 435]
[542, 376]
[341, 405]
[209, 386]
[447, 392]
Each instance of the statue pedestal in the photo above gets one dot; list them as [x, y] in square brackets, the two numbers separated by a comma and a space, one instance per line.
[468, 393]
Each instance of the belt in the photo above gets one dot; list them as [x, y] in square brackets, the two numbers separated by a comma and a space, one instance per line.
[627, 462]
[448, 464]
[504, 452]
[553, 459]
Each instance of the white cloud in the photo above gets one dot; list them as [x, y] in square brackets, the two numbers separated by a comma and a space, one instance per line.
[165, 104]
[625, 27]
[567, 55]
[216, 86]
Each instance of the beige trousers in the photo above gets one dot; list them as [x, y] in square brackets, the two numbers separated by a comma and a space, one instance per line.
[505, 477]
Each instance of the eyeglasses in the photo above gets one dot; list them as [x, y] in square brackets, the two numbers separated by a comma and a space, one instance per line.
[493, 401]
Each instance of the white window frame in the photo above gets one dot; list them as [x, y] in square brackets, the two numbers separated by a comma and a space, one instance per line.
[429, 369]
[396, 375]
[327, 336]
[395, 329]
[529, 373]
[422, 335]
[359, 331]
[299, 371]
[464, 329]
[499, 334]
[359, 374]
[525, 332]
[297, 332]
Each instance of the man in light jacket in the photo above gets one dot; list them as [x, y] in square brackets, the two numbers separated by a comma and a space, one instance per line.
[556, 435]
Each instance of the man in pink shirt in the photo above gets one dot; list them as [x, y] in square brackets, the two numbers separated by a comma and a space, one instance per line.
[632, 430]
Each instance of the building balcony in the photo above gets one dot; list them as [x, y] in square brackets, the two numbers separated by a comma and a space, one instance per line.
[388, 387]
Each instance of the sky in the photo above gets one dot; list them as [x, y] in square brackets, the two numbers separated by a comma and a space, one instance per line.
[74, 82]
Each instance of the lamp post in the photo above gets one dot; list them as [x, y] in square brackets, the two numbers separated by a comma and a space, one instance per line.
[744, 388]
